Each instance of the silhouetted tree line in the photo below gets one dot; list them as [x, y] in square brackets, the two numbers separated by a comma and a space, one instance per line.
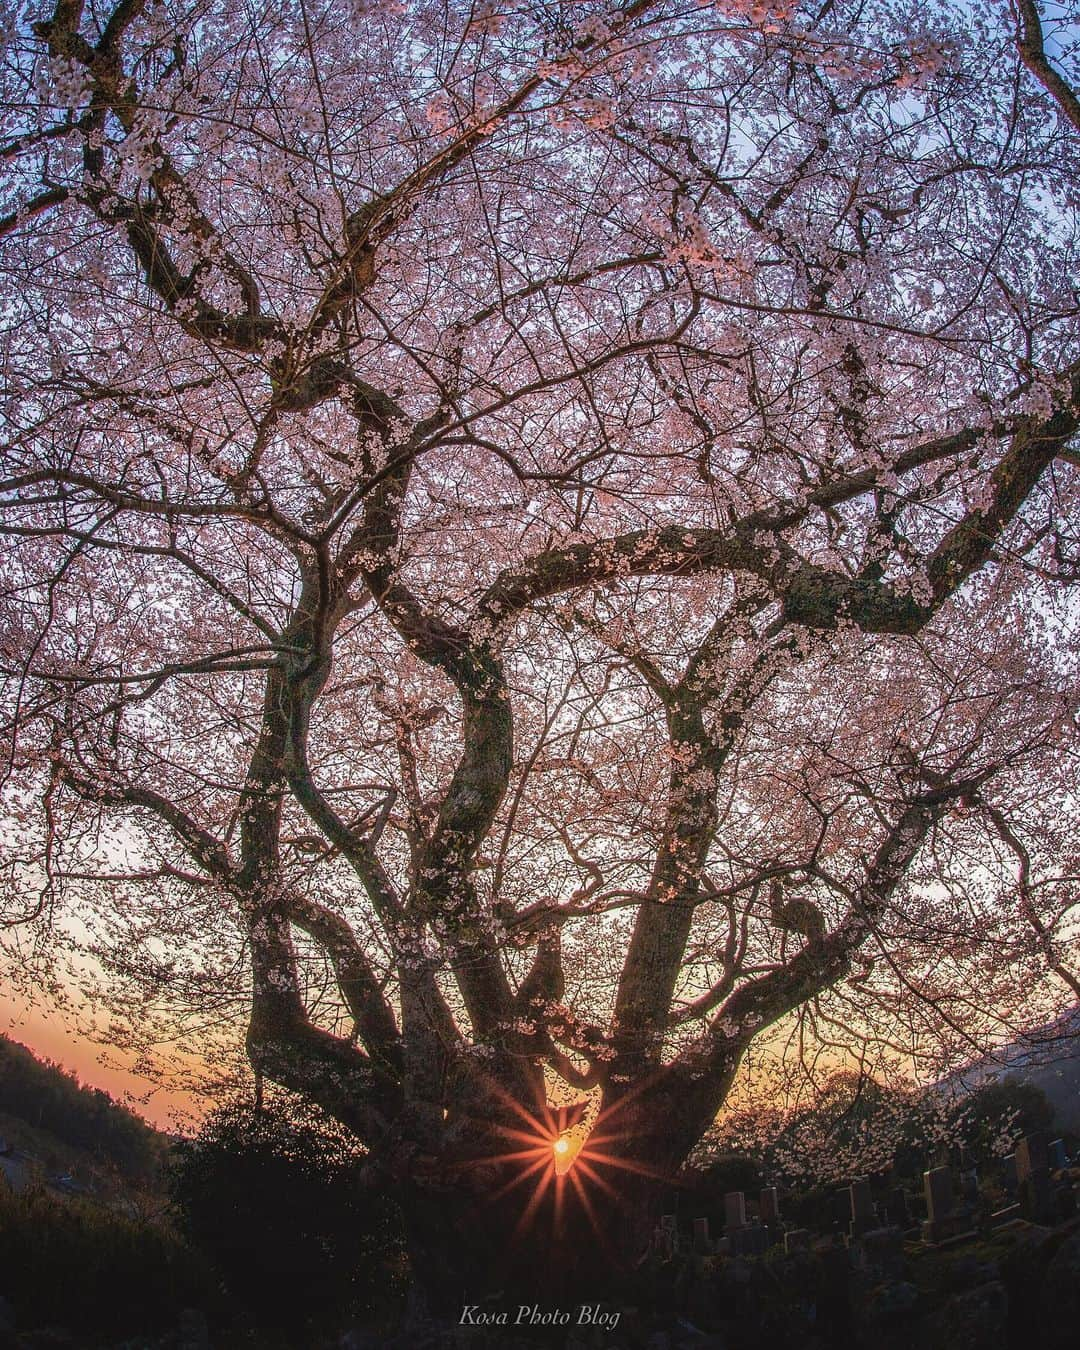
[49, 1098]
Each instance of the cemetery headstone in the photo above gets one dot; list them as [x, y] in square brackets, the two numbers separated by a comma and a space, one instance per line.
[734, 1210]
[938, 1188]
[863, 1211]
[1032, 1155]
[1035, 1188]
[897, 1209]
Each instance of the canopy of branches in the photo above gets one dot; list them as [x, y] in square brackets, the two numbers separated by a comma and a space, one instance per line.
[542, 535]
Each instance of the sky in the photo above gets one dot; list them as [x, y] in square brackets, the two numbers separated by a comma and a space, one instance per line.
[51, 1035]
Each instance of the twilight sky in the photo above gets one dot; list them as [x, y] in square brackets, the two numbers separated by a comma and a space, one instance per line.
[51, 1036]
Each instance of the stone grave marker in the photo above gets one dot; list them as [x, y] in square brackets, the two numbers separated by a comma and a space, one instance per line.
[734, 1210]
[769, 1206]
[1035, 1188]
[1032, 1155]
[897, 1209]
[938, 1187]
[863, 1210]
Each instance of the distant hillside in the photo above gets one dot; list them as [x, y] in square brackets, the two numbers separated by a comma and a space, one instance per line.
[40, 1101]
[1047, 1057]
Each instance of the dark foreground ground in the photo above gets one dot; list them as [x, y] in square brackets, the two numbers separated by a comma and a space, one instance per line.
[1016, 1288]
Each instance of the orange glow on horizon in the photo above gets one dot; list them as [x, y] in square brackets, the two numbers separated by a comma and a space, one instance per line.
[48, 1034]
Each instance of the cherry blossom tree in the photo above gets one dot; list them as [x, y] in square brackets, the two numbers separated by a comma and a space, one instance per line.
[542, 547]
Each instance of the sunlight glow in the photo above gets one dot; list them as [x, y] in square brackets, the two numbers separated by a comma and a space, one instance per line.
[560, 1155]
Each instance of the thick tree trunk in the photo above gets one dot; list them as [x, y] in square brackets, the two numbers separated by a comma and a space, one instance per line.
[553, 1247]
[513, 1231]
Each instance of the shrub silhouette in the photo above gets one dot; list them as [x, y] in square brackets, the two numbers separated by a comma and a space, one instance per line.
[76, 1264]
[275, 1201]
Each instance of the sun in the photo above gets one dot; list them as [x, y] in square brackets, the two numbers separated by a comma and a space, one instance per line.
[557, 1158]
